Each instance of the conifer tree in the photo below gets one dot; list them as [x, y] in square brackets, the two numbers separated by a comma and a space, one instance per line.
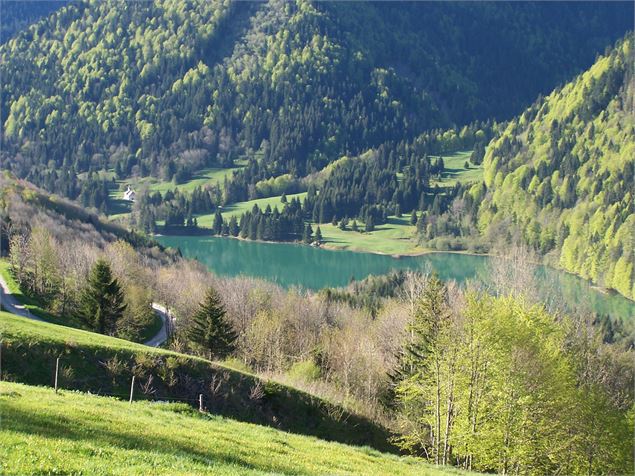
[318, 235]
[217, 227]
[308, 234]
[102, 300]
[370, 223]
[233, 226]
[210, 329]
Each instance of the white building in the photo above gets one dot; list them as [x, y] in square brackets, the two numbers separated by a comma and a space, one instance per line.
[129, 194]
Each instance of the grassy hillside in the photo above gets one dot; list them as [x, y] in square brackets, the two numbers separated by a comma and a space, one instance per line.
[102, 364]
[396, 237]
[562, 174]
[47, 433]
[455, 170]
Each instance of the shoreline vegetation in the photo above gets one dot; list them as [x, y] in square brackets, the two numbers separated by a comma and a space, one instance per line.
[423, 252]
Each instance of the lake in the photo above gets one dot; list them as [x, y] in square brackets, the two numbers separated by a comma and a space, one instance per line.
[315, 268]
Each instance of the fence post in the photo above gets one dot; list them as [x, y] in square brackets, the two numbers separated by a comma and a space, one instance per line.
[131, 389]
[57, 369]
[200, 402]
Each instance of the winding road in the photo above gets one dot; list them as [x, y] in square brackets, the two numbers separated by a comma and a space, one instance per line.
[11, 304]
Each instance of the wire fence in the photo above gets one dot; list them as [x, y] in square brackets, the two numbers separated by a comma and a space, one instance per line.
[139, 391]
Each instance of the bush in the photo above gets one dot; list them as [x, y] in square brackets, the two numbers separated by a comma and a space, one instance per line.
[305, 370]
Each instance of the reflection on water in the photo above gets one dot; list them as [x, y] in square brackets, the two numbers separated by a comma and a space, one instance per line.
[315, 268]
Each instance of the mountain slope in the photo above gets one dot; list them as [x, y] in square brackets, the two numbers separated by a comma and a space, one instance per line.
[101, 364]
[165, 88]
[562, 175]
[15, 15]
[73, 433]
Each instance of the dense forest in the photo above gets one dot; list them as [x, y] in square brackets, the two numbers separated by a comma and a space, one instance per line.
[17, 15]
[561, 175]
[165, 88]
[353, 107]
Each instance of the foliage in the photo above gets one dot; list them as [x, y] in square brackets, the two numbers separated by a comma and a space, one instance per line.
[17, 15]
[560, 177]
[101, 304]
[165, 88]
[209, 328]
[502, 386]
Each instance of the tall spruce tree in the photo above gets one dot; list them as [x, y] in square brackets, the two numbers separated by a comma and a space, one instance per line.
[308, 234]
[217, 227]
[102, 300]
[210, 329]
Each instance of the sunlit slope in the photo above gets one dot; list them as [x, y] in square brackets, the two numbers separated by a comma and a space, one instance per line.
[562, 175]
[72, 433]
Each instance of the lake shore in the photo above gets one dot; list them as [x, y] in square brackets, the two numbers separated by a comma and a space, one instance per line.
[328, 246]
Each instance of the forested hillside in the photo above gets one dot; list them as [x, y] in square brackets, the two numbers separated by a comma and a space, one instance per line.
[165, 88]
[16, 15]
[560, 177]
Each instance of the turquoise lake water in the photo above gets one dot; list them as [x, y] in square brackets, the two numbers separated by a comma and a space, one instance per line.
[315, 268]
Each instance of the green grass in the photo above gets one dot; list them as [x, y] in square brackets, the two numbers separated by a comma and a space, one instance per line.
[209, 176]
[72, 433]
[105, 365]
[455, 170]
[237, 209]
[397, 237]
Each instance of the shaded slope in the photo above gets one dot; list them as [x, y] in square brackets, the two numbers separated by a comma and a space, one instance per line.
[76, 433]
[105, 365]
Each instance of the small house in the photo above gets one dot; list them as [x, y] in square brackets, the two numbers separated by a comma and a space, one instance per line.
[129, 194]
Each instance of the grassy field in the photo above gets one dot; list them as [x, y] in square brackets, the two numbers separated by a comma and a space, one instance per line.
[105, 365]
[397, 237]
[209, 176]
[237, 209]
[455, 170]
[74, 433]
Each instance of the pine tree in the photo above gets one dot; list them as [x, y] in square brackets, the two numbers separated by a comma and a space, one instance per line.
[318, 235]
[217, 227]
[102, 301]
[413, 217]
[210, 329]
[370, 223]
[354, 226]
[233, 226]
[308, 234]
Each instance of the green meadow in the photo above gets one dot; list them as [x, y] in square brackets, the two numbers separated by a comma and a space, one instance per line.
[207, 176]
[238, 208]
[76, 433]
[455, 170]
[397, 237]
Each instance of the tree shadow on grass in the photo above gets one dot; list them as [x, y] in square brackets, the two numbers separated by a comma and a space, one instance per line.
[59, 427]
